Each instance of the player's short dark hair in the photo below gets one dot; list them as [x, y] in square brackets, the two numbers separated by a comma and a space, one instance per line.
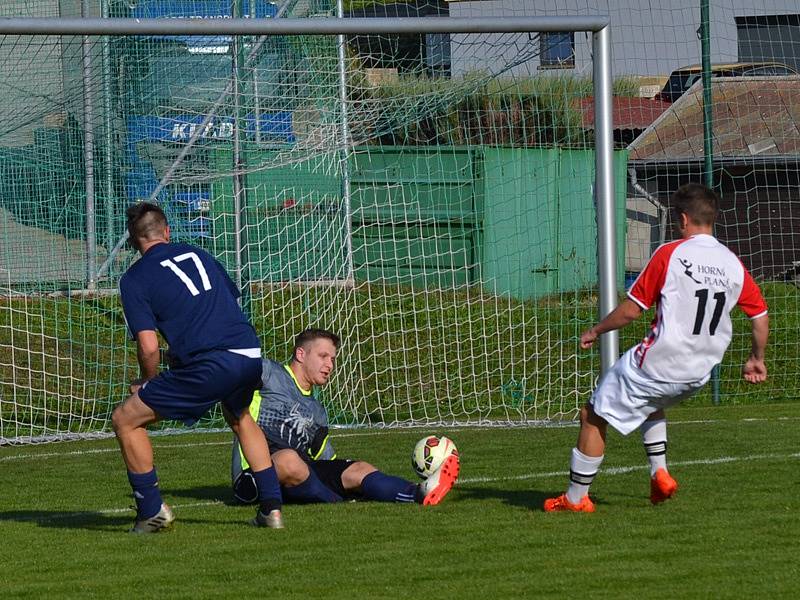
[309, 335]
[145, 221]
[698, 202]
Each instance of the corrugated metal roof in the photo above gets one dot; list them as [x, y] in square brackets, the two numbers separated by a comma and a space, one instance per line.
[628, 112]
[752, 116]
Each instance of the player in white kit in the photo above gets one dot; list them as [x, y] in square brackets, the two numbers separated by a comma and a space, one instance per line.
[694, 283]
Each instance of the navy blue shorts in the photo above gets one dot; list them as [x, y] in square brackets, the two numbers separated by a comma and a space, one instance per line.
[188, 392]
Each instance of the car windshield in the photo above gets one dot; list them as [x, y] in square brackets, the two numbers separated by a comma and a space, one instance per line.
[769, 70]
[680, 81]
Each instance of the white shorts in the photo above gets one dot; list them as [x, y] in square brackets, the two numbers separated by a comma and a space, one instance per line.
[626, 395]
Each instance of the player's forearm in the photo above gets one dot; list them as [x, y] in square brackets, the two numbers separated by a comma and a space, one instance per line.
[760, 333]
[148, 354]
[148, 362]
[622, 315]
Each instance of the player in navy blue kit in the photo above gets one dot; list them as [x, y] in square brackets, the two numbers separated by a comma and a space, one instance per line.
[215, 356]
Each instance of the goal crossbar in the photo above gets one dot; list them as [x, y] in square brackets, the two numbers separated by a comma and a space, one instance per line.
[322, 26]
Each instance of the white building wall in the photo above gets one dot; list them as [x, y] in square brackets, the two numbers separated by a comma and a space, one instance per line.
[648, 37]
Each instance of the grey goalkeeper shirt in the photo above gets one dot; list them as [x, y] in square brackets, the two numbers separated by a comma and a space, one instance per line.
[289, 416]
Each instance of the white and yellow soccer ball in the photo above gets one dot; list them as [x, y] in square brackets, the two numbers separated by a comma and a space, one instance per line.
[429, 454]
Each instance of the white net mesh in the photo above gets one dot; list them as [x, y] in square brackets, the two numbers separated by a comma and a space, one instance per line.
[436, 211]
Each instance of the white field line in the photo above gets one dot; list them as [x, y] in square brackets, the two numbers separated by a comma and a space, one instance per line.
[338, 435]
[106, 450]
[543, 475]
[631, 469]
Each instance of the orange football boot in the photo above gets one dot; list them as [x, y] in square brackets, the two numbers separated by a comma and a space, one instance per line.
[561, 503]
[438, 485]
[662, 486]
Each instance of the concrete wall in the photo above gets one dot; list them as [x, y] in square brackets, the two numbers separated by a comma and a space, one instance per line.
[31, 78]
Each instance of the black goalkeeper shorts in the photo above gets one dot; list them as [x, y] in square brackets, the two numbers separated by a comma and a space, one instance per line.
[330, 472]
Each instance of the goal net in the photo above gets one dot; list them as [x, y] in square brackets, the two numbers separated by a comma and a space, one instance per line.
[428, 196]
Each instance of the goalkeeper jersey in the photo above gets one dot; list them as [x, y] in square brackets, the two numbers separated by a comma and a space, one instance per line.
[289, 416]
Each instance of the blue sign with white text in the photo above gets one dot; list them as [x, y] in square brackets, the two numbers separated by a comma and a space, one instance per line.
[200, 9]
[273, 127]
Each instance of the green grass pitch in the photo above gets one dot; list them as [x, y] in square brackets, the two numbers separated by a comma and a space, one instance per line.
[733, 531]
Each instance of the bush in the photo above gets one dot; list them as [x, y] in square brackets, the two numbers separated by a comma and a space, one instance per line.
[478, 109]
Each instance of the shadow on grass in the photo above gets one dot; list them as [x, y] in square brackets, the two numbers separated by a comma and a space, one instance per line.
[217, 493]
[116, 520]
[99, 521]
[530, 499]
[90, 520]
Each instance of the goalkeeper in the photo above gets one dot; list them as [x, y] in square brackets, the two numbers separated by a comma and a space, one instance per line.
[296, 427]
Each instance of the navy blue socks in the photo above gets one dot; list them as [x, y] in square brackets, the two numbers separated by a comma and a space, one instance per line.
[269, 490]
[146, 493]
[387, 488]
[311, 490]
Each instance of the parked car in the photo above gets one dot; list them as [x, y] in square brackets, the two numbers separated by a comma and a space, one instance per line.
[682, 79]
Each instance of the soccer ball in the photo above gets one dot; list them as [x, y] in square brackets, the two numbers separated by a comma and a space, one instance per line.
[429, 454]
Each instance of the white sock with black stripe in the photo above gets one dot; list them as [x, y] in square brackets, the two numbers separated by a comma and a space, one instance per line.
[654, 438]
[582, 470]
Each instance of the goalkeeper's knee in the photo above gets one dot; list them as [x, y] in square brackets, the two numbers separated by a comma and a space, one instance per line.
[245, 489]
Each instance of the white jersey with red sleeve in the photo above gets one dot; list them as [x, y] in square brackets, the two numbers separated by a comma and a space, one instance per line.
[694, 283]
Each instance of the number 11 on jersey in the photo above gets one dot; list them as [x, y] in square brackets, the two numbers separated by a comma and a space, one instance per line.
[719, 306]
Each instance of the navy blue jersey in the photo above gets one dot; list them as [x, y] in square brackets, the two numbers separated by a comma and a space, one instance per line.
[184, 293]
